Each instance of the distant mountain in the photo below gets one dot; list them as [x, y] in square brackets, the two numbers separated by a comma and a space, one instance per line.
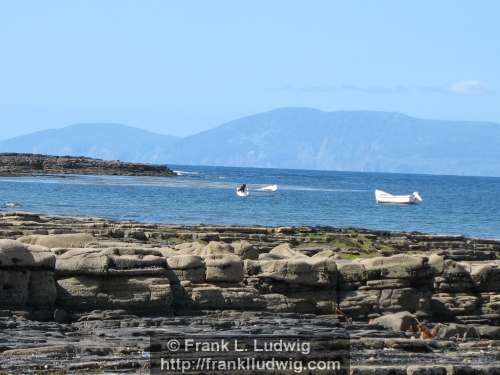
[98, 140]
[294, 138]
[348, 141]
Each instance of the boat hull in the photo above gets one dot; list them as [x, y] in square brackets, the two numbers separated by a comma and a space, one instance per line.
[383, 197]
[240, 193]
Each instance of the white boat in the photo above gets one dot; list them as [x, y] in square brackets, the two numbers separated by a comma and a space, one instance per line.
[269, 188]
[383, 197]
[12, 204]
[242, 193]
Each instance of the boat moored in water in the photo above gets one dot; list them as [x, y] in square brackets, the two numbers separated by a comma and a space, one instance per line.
[242, 191]
[383, 197]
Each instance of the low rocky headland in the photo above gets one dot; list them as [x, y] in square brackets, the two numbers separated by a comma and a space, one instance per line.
[81, 295]
[15, 164]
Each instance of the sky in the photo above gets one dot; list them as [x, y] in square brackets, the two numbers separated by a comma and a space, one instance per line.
[180, 67]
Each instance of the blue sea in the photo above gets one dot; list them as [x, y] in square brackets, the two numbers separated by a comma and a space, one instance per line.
[452, 204]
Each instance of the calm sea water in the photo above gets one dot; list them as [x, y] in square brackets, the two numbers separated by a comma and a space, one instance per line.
[452, 205]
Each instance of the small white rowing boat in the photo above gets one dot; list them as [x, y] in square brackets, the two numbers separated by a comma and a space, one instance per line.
[383, 197]
[242, 191]
[12, 204]
[269, 188]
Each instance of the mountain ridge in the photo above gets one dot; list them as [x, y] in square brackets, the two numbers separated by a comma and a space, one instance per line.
[292, 137]
[108, 141]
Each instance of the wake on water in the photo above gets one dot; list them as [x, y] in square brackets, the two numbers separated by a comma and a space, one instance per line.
[185, 173]
[184, 180]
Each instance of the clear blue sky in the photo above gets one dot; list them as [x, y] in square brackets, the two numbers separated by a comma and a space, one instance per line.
[178, 67]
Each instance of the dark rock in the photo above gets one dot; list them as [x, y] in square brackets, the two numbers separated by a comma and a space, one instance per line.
[13, 164]
[457, 331]
[401, 321]
[61, 316]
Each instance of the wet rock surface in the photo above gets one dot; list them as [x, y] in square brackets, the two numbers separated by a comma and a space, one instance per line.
[86, 294]
[112, 340]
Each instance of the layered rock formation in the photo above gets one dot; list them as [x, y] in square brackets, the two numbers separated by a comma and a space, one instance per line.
[113, 278]
[417, 297]
[13, 164]
[26, 276]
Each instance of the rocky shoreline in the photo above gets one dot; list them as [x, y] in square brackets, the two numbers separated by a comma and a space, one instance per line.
[15, 164]
[88, 294]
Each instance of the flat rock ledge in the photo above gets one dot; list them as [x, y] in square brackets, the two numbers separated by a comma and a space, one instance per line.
[87, 294]
[14, 164]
